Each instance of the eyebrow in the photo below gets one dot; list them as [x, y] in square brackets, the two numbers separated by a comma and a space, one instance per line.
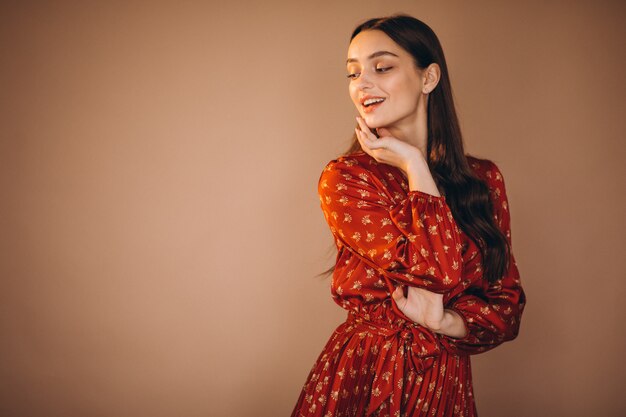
[374, 55]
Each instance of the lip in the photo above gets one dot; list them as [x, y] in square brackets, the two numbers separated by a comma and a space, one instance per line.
[367, 97]
[371, 107]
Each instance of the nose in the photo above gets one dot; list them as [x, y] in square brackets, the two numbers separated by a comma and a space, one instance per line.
[363, 81]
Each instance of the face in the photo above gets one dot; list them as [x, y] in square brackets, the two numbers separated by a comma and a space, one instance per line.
[379, 68]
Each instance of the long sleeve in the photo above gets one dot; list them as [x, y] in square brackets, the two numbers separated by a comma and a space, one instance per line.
[415, 241]
[492, 313]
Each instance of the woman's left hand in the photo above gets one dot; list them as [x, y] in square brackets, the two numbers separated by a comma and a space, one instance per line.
[422, 306]
[387, 148]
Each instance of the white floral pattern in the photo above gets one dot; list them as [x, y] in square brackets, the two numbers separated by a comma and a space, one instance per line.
[387, 234]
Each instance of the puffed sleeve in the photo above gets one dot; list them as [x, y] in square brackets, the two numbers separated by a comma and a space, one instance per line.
[414, 241]
[491, 312]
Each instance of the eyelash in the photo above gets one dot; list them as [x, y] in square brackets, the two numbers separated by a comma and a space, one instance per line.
[351, 76]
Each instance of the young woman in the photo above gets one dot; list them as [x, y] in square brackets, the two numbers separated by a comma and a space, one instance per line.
[424, 265]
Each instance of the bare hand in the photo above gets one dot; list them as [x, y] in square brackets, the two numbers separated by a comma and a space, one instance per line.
[422, 306]
[386, 148]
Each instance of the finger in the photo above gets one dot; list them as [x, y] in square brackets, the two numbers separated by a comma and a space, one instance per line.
[376, 143]
[381, 131]
[365, 128]
[372, 143]
[398, 293]
[367, 144]
[369, 141]
[359, 136]
[400, 299]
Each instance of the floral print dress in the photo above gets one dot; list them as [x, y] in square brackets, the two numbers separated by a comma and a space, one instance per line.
[378, 362]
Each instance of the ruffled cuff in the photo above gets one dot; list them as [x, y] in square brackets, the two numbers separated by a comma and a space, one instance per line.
[416, 205]
[428, 197]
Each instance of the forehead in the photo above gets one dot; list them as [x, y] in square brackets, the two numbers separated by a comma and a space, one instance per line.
[369, 41]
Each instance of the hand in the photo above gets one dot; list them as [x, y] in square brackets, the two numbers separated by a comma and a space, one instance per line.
[386, 148]
[422, 306]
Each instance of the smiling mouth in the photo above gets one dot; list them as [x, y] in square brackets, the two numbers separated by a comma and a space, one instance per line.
[371, 105]
[372, 101]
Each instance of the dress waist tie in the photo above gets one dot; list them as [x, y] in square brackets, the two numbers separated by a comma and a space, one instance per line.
[405, 338]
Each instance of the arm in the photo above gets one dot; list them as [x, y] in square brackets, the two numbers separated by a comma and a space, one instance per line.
[491, 313]
[453, 324]
[414, 241]
[420, 178]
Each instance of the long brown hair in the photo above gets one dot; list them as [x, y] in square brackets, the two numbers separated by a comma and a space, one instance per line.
[466, 195]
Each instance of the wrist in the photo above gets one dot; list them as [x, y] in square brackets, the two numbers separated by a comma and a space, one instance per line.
[415, 163]
[419, 176]
[452, 325]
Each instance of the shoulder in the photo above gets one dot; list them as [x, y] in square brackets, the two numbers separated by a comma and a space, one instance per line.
[491, 174]
[357, 175]
[358, 164]
[355, 161]
[486, 170]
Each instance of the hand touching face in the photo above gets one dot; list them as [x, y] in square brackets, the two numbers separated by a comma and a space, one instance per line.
[386, 148]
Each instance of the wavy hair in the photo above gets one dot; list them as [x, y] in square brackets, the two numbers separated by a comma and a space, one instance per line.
[466, 194]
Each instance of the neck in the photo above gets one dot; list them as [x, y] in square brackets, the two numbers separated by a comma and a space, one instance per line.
[413, 131]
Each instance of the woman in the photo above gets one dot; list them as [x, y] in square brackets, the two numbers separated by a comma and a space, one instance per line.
[424, 265]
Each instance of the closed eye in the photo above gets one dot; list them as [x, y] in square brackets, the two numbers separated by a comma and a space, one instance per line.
[382, 70]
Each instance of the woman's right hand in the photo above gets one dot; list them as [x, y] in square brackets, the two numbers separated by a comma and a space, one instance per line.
[393, 151]
[386, 148]
[420, 305]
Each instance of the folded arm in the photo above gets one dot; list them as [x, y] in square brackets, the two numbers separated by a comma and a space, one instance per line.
[414, 241]
[491, 312]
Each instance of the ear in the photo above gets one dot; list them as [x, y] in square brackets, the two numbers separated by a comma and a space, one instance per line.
[431, 76]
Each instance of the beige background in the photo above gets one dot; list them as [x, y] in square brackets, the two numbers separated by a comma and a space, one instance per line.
[160, 227]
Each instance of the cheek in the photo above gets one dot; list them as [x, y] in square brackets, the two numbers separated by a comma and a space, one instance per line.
[399, 85]
[354, 95]
[405, 90]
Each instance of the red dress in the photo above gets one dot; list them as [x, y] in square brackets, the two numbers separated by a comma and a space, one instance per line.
[379, 362]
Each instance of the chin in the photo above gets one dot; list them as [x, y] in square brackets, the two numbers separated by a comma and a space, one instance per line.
[374, 121]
